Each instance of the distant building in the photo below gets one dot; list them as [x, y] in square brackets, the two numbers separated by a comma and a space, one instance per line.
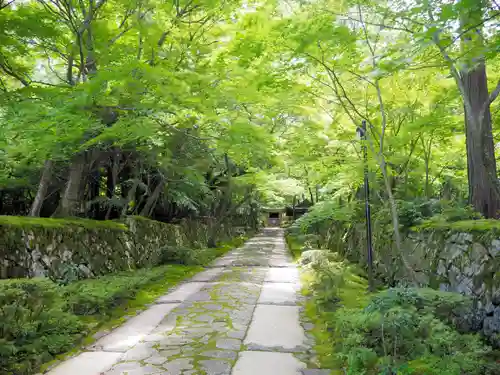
[273, 217]
[276, 217]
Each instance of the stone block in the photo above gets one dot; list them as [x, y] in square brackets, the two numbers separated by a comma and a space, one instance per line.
[267, 363]
[87, 363]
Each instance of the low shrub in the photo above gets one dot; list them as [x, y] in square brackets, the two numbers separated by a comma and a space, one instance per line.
[171, 254]
[315, 258]
[101, 295]
[188, 256]
[394, 331]
[33, 325]
[400, 332]
[40, 319]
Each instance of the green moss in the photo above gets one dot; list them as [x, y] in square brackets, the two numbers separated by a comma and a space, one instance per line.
[481, 225]
[24, 222]
[294, 246]
[147, 221]
[137, 217]
[351, 293]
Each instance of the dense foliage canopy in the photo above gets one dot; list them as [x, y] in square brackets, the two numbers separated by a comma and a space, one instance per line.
[212, 108]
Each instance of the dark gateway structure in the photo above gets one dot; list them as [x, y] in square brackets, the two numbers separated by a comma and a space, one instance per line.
[275, 217]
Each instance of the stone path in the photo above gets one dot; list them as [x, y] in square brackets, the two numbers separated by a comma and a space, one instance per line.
[239, 317]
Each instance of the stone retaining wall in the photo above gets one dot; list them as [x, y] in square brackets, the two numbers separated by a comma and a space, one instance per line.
[32, 247]
[449, 258]
[464, 262]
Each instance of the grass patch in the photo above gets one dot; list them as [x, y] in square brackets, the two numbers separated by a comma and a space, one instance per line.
[294, 246]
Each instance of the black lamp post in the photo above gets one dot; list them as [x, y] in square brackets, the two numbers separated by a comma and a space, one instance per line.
[361, 132]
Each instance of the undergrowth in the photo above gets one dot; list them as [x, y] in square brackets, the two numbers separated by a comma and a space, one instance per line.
[393, 331]
[42, 322]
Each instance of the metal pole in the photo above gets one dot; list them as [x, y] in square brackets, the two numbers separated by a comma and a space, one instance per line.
[369, 248]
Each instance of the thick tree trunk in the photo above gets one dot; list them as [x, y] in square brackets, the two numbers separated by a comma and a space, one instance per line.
[112, 180]
[41, 193]
[150, 203]
[481, 163]
[71, 196]
[94, 190]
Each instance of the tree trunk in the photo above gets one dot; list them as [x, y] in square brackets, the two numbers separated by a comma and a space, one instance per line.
[481, 163]
[395, 223]
[71, 197]
[427, 158]
[94, 190]
[130, 196]
[311, 195]
[150, 203]
[36, 207]
[111, 182]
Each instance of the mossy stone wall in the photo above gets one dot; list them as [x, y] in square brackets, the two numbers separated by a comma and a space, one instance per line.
[462, 257]
[31, 247]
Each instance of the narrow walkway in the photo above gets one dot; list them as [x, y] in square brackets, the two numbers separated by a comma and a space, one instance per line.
[239, 317]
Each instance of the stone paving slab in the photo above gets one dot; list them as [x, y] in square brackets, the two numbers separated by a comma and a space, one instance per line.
[316, 372]
[282, 275]
[201, 336]
[87, 363]
[225, 261]
[279, 294]
[243, 274]
[182, 292]
[267, 363]
[134, 330]
[280, 261]
[207, 275]
[276, 328]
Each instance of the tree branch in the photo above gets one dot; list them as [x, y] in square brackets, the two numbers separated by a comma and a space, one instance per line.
[494, 94]
[128, 28]
[3, 6]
